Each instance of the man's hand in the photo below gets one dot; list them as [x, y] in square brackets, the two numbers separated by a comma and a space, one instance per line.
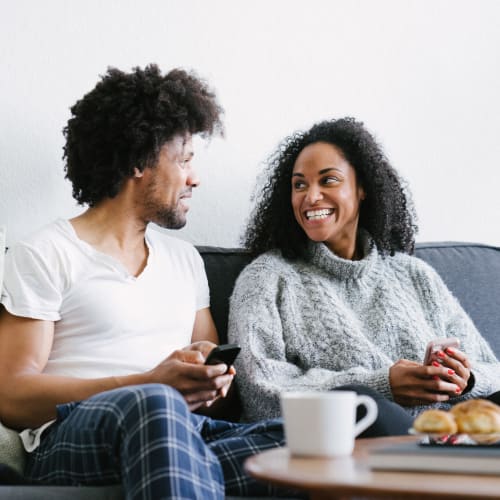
[413, 383]
[185, 370]
[205, 347]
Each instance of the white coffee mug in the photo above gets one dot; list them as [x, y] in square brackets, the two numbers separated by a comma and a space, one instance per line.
[324, 423]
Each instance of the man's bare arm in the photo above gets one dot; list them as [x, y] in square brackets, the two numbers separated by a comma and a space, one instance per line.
[204, 327]
[28, 398]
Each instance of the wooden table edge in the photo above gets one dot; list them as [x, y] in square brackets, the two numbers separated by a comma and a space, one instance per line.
[317, 490]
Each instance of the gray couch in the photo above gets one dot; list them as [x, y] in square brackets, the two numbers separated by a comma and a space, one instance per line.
[471, 271]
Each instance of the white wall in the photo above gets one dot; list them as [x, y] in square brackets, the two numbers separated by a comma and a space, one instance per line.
[424, 75]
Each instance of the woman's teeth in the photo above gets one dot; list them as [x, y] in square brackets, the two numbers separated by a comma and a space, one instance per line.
[318, 214]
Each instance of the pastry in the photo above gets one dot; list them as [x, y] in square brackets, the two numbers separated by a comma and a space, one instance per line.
[473, 405]
[477, 416]
[435, 422]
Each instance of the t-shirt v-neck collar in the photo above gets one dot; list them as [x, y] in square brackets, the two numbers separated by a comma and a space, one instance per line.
[103, 257]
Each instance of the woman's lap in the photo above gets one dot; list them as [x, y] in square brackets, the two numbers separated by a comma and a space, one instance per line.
[392, 420]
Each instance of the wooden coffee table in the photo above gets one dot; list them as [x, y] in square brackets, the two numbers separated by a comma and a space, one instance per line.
[341, 478]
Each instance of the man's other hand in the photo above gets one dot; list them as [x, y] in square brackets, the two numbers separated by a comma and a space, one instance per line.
[185, 370]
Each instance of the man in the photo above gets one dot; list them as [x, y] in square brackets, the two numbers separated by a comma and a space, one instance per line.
[97, 310]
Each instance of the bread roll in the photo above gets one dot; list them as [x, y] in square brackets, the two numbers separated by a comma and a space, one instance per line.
[435, 422]
[477, 416]
[473, 405]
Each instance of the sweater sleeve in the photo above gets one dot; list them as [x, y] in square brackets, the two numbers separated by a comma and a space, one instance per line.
[452, 321]
[267, 364]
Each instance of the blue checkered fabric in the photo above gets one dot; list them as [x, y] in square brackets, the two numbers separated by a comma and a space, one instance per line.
[145, 437]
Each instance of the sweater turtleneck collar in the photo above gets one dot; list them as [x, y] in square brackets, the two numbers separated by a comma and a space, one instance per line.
[321, 256]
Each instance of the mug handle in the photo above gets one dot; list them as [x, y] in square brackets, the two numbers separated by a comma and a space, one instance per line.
[371, 413]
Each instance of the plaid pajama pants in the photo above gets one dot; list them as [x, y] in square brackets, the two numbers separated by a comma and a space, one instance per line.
[145, 437]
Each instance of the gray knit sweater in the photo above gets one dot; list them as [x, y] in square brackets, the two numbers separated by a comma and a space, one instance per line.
[326, 322]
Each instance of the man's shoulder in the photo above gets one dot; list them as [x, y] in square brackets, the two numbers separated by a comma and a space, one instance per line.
[44, 238]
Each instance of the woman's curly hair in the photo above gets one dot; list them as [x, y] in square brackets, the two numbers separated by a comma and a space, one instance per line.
[125, 120]
[387, 212]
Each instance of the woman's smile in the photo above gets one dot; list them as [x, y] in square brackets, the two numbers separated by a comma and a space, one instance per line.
[318, 214]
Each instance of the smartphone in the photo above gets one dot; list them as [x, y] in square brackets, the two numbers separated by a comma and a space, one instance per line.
[225, 353]
[439, 344]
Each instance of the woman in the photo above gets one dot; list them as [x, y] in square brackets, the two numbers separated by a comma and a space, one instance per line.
[335, 297]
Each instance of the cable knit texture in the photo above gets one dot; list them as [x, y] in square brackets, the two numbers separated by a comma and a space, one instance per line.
[323, 322]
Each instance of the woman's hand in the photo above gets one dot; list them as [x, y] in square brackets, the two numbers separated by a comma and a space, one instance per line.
[413, 383]
[455, 361]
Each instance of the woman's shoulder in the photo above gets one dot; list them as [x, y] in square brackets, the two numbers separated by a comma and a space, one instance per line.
[415, 268]
[269, 261]
[409, 261]
[268, 266]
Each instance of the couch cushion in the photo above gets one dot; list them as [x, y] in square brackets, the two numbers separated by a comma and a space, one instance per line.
[11, 449]
[62, 492]
[472, 273]
[76, 493]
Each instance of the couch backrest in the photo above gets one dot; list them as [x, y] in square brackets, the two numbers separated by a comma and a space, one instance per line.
[223, 265]
[471, 271]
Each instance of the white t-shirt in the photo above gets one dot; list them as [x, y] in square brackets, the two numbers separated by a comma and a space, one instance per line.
[106, 321]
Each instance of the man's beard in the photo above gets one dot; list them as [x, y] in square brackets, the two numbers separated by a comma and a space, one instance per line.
[169, 218]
